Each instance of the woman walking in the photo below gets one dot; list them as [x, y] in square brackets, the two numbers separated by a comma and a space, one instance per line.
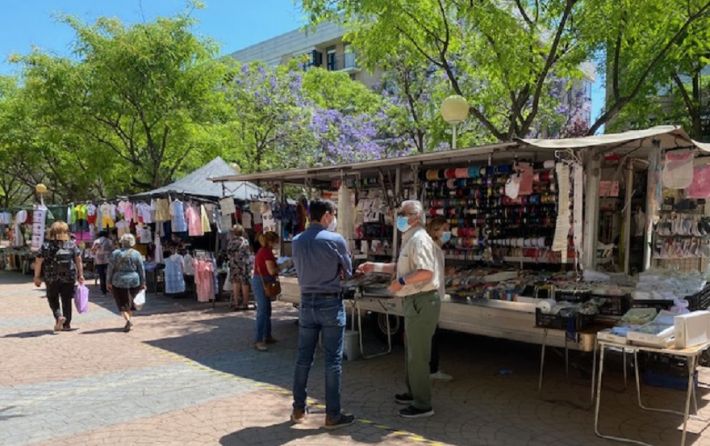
[59, 265]
[265, 270]
[240, 268]
[125, 277]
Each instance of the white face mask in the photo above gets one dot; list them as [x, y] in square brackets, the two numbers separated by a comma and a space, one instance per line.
[333, 224]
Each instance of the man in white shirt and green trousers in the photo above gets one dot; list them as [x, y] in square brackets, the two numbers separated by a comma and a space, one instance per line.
[417, 277]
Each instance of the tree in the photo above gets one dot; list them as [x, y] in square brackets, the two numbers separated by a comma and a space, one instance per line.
[143, 94]
[647, 44]
[499, 55]
[506, 57]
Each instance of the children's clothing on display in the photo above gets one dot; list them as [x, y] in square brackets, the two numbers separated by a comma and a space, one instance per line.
[5, 218]
[205, 219]
[108, 216]
[91, 213]
[194, 222]
[174, 270]
[177, 214]
[143, 212]
[162, 209]
[123, 227]
[204, 279]
[126, 209]
[145, 235]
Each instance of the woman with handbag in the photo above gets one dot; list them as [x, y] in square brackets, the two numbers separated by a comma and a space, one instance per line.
[125, 277]
[59, 265]
[265, 284]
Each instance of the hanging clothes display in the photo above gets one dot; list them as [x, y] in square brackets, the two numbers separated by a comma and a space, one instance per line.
[204, 218]
[177, 216]
[108, 215]
[158, 254]
[562, 227]
[18, 239]
[39, 216]
[194, 221]
[174, 270]
[227, 206]
[162, 209]
[204, 279]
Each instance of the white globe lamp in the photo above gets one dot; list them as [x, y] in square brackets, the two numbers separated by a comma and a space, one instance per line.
[454, 110]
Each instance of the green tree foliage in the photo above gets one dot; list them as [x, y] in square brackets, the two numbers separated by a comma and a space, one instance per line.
[508, 57]
[136, 102]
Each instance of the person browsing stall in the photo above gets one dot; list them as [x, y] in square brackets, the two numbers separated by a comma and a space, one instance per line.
[417, 277]
[322, 259]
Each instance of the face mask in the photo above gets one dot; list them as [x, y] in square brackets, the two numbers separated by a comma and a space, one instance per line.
[445, 237]
[333, 224]
[403, 223]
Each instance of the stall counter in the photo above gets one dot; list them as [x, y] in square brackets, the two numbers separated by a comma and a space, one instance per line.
[494, 318]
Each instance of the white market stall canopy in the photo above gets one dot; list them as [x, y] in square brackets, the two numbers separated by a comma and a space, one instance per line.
[660, 137]
[199, 183]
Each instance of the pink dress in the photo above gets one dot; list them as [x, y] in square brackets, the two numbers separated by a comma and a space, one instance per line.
[204, 280]
[194, 221]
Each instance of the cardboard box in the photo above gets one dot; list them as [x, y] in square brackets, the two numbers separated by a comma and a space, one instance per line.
[691, 328]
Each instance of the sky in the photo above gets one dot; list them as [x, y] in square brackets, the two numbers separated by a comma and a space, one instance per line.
[233, 24]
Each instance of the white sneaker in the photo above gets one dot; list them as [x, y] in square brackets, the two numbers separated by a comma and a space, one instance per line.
[441, 376]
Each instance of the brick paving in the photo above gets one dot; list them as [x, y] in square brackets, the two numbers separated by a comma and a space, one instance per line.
[187, 375]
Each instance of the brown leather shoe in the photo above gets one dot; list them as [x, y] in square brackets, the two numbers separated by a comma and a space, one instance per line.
[298, 416]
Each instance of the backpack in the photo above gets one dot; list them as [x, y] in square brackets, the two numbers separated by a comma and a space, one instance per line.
[64, 259]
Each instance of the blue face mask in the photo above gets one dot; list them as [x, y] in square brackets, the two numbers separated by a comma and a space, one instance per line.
[403, 223]
[445, 237]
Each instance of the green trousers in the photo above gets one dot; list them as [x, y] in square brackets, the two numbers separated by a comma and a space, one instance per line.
[421, 314]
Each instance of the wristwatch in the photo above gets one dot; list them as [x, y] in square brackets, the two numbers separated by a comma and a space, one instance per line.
[401, 281]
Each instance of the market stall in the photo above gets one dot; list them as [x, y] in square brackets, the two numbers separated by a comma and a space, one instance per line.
[525, 218]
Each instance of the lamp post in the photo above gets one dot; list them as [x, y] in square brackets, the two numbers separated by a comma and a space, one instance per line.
[454, 110]
[41, 189]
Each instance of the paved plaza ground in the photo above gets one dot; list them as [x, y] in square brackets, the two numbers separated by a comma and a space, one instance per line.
[188, 375]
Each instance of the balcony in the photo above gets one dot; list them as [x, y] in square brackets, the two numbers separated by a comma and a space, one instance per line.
[349, 63]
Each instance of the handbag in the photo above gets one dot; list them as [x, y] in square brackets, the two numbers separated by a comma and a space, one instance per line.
[81, 299]
[272, 289]
[139, 300]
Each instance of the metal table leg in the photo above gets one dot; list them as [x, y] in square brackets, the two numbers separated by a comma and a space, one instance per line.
[359, 324]
[542, 360]
[691, 362]
[594, 369]
[598, 404]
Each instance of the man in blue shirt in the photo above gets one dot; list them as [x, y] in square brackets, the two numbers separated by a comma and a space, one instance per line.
[322, 259]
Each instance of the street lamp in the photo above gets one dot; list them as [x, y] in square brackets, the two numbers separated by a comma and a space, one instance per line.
[41, 189]
[454, 110]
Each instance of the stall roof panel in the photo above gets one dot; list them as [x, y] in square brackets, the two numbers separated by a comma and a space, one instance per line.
[662, 137]
[198, 183]
[373, 166]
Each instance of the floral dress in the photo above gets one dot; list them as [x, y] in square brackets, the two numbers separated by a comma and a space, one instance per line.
[240, 260]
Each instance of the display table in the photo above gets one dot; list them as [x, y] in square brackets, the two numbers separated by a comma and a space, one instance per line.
[691, 354]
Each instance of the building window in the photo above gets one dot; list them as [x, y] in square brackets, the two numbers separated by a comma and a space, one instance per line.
[349, 57]
[331, 61]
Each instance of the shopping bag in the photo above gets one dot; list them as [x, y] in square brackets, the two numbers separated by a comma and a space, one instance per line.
[139, 300]
[81, 299]
[228, 282]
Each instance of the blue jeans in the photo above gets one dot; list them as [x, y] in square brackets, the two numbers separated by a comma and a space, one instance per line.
[263, 310]
[322, 313]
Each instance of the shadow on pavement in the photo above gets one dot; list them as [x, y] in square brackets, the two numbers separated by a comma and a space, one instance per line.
[285, 432]
[7, 417]
[30, 334]
[103, 330]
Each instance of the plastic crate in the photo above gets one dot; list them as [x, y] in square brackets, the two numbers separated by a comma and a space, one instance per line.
[615, 305]
[699, 301]
[555, 321]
